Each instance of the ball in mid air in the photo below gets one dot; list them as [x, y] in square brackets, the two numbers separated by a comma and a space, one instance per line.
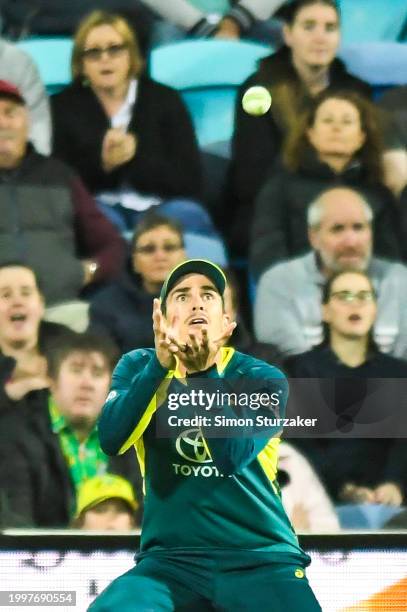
[256, 101]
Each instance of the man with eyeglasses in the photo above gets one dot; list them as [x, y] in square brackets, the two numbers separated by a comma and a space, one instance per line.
[288, 299]
[123, 309]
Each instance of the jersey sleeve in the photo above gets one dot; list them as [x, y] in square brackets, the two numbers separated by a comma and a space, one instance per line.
[131, 402]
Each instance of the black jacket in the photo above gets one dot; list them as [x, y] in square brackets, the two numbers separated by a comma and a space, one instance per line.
[279, 229]
[35, 484]
[166, 162]
[123, 310]
[366, 462]
[257, 140]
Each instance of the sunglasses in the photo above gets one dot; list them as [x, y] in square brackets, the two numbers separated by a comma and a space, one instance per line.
[149, 249]
[95, 53]
[350, 296]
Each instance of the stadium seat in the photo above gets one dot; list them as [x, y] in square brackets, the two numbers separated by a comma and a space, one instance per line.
[365, 516]
[373, 20]
[206, 247]
[53, 59]
[381, 64]
[73, 314]
[208, 74]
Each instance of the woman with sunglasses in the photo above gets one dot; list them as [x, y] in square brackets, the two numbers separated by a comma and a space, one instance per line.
[368, 470]
[123, 309]
[129, 137]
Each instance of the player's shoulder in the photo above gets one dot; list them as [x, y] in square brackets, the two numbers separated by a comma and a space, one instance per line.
[247, 365]
[135, 359]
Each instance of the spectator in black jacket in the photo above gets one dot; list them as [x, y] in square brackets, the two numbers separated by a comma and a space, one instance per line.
[24, 336]
[50, 447]
[123, 310]
[336, 143]
[367, 470]
[305, 66]
[130, 138]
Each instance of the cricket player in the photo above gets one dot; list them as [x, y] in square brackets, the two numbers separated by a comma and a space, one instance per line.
[215, 535]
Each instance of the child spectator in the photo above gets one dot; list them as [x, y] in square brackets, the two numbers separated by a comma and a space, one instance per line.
[51, 446]
[106, 503]
[24, 336]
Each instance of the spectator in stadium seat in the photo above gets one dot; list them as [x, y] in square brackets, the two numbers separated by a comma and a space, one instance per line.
[106, 503]
[17, 67]
[130, 138]
[287, 308]
[337, 142]
[123, 309]
[49, 221]
[24, 336]
[369, 470]
[50, 446]
[304, 67]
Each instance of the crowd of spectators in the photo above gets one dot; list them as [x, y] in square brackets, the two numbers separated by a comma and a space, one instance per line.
[101, 183]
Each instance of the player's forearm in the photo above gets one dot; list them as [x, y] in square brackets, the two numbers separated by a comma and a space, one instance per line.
[129, 407]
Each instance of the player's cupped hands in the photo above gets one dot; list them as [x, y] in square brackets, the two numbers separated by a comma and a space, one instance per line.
[165, 348]
[199, 352]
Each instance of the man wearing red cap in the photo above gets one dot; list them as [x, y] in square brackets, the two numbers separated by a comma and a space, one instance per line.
[49, 221]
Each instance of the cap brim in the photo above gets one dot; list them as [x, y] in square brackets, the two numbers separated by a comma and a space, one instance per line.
[95, 502]
[12, 96]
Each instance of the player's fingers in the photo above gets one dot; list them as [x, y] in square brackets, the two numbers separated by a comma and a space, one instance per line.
[180, 345]
[195, 345]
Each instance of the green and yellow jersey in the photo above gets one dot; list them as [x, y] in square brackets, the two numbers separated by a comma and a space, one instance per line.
[202, 493]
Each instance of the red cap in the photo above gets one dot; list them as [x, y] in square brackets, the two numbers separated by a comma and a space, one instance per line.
[9, 90]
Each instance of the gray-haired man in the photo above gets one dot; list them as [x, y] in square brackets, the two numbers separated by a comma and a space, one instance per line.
[288, 301]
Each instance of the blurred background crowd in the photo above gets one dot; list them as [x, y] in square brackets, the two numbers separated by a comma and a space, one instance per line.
[124, 149]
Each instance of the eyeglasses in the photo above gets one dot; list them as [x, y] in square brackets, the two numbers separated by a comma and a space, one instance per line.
[149, 249]
[350, 296]
[95, 53]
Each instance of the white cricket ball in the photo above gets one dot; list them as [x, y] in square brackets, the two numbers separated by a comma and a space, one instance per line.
[256, 101]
